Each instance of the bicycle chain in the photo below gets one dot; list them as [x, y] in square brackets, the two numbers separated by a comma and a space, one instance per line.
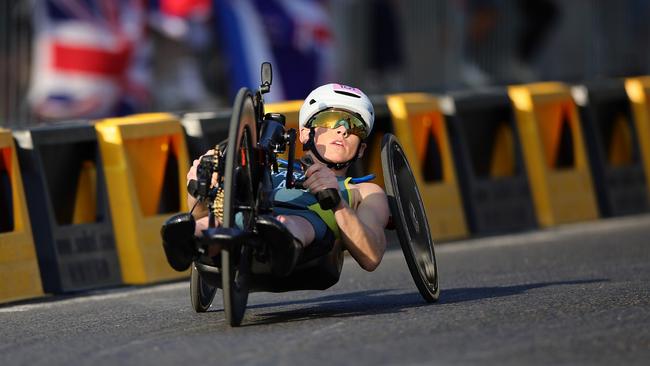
[217, 207]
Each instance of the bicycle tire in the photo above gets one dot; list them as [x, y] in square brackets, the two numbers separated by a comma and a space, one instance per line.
[239, 193]
[410, 218]
[201, 292]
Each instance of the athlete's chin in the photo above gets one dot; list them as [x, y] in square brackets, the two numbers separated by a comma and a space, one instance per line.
[336, 157]
[335, 154]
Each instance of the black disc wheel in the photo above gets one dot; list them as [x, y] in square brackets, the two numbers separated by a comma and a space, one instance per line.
[201, 291]
[238, 206]
[410, 218]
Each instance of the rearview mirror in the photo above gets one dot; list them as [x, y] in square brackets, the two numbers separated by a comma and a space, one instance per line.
[267, 77]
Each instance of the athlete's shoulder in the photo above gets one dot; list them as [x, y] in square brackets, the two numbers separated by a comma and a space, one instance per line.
[368, 188]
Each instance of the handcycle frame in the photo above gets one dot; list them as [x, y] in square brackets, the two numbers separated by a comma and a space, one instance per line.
[244, 177]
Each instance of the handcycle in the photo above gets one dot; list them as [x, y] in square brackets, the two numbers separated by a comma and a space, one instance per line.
[242, 198]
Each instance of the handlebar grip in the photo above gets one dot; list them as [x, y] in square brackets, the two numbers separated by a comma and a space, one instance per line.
[328, 198]
[193, 188]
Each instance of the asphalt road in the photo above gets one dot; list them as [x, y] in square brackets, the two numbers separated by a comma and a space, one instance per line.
[578, 294]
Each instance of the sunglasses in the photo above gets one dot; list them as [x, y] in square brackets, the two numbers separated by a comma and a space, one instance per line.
[334, 118]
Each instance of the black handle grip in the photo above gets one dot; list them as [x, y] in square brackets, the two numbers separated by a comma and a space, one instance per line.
[327, 198]
[193, 188]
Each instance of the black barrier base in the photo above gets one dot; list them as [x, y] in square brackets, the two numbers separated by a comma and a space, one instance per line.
[71, 256]
[204, 130]
[86, 258]
[492, 204]
[620, 185]
[500, 207]
[627, 192]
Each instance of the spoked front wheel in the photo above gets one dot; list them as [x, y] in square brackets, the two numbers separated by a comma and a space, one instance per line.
[238, 206]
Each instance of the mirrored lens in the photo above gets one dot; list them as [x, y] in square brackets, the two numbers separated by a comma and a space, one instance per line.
[337, 118]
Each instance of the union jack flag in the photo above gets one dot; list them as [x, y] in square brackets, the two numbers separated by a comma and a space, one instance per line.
[90, 59]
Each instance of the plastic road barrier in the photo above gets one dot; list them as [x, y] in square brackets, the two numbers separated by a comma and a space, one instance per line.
[68, 207]
[145, 161]
[638, 90]
[489, 162]
[554, 152]
[204, 130]
[614, 149]
[420, 127]
[19, 274]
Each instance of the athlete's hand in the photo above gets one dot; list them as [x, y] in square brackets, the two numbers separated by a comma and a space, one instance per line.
[320, 177]
[191, 174]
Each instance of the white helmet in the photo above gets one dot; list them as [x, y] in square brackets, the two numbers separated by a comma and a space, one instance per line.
[337, 96]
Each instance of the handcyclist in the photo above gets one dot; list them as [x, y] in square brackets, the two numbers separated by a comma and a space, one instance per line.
[335, 121]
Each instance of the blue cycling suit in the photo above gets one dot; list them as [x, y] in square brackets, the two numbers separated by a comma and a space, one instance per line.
[302, 203]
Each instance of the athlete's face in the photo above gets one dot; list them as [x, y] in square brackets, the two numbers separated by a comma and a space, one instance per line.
[334, 144]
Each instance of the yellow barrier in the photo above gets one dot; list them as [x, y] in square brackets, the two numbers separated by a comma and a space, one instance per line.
[19, 274]
[554, 152]
[638, 90]
[420, 127]
[290, 109]
[372, 155]
[145, 187]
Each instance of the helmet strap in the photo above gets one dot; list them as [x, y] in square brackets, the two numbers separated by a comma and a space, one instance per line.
[311, 146]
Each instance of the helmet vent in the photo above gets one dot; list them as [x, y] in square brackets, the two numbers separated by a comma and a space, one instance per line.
[347, 93]
[312, 101]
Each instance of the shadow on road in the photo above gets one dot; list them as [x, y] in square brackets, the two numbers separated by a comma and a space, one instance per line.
[367, 303]
[362, 303]
[457, 295]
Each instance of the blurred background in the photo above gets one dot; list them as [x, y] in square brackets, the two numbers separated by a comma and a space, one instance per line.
[78, 59]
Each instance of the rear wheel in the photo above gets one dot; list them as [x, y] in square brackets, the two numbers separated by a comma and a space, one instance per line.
[410, 218]
[201, 292]
[238, 206]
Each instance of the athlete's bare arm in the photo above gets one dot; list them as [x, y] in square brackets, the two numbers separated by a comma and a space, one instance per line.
[362, 230]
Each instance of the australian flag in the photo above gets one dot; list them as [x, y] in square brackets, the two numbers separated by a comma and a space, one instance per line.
[294, 35]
